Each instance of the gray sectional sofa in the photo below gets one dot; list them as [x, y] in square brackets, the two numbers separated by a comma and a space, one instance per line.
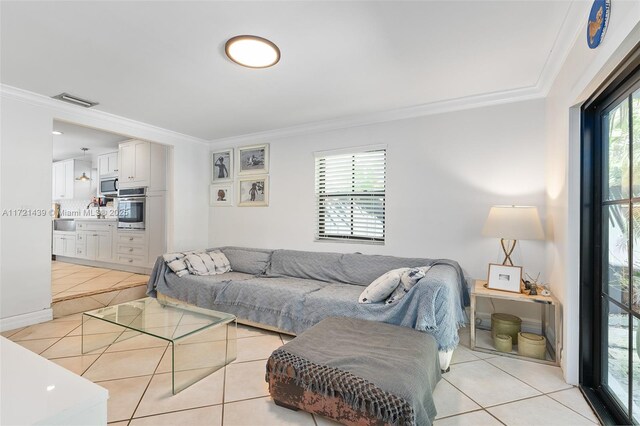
[290, 291]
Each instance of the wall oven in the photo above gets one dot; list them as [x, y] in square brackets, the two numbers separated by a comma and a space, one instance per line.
[131, 208]
[109, 187]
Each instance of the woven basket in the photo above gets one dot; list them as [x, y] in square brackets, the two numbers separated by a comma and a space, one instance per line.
[532, 345]
[505, 324]
[503, 343]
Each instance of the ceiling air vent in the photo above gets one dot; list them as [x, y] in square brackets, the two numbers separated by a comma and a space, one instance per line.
[75, 100]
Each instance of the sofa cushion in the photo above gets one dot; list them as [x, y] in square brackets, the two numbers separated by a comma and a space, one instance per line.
[408, 279]
[247, 260]
[380, 289]
[359, 269]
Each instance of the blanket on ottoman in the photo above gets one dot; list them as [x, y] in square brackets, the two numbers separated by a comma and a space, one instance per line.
[386, 371]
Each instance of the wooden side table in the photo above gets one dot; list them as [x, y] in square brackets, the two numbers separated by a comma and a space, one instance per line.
[480, 291]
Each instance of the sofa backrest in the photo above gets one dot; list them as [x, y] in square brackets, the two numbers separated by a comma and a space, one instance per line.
[358, 269]
[247, 260]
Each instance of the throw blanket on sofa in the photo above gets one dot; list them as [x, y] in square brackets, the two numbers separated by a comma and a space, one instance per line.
[297, 291]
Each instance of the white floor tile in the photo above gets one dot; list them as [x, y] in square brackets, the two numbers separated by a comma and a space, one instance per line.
[450, 401]
[245, 380]
[118, 365]
[540, 410]
[463, 354]
[488, 385]
[545, 378]
[207, 416]
[264, 412]
[574, 399]
[124, 395]
[476, 418]
[159, 398]
[255, 348]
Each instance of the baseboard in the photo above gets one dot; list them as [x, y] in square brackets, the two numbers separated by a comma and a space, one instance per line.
[24, 320]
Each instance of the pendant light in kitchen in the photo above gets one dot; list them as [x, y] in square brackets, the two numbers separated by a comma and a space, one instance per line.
[84, 176]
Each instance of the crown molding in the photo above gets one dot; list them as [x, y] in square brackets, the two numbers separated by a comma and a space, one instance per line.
[59, 107]
[571, 29]
[439, 107]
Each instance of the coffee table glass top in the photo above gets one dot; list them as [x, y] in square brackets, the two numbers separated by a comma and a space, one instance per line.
[168, 321]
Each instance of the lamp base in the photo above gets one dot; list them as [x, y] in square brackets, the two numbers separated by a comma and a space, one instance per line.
[507, 247]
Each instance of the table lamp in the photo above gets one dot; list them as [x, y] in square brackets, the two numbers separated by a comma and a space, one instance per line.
[513, 223]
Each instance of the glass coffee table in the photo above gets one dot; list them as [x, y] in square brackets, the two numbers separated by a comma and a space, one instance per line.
[201, 341]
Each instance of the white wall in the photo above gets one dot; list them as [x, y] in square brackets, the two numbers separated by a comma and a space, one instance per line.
[582, 72]
[25, 182]
[443, 173]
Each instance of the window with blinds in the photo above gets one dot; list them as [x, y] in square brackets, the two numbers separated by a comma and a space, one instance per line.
[350, 195]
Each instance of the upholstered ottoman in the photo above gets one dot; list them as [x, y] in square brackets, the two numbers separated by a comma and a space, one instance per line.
[358, 372]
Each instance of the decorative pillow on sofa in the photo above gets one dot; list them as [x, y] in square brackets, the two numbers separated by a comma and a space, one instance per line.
[247, 260]
[207, 263]
[408, 279]
[382, 287]
[175, 262]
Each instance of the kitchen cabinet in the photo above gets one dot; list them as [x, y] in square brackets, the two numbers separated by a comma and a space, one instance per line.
[108, 164]
[142, 164]
[64, 244]
[64, 185]
[134, 158]
[94, 240]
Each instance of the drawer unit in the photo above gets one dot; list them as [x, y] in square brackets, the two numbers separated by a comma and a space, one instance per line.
[91, 225]
[133, 250]
[131, 237]
[131, 260]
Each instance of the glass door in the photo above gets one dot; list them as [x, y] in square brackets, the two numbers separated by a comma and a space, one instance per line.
[620, 241]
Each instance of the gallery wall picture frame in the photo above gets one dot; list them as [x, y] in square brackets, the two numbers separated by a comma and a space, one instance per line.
[504, 277]
[253, 191]
[221, 194]
[222, 165]
[253, 160]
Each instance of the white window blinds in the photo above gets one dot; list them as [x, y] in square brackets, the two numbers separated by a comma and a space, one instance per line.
[350, 195]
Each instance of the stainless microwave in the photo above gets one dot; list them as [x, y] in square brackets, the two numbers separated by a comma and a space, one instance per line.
[109, 187]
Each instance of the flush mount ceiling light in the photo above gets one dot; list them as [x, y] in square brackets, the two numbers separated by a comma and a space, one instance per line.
[57, 132]
[252, 51]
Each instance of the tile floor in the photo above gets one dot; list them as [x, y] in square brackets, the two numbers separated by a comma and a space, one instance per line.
[71, 280]
[480, 389]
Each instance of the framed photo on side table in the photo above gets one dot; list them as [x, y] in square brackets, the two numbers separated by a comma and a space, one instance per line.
[221, 195]
[253, 159]
[222, 165]
[504, 277]
[253, 191]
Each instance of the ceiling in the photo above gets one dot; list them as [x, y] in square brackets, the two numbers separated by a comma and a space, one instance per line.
[73, 137]
[163, 63]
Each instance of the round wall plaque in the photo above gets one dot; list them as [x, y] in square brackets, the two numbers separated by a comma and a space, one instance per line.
[598, 21]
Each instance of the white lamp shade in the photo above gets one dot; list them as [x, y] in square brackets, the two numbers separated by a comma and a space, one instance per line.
[513, 223]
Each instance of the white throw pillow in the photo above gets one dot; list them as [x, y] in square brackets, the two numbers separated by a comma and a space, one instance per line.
[382, 287]
[408, 279]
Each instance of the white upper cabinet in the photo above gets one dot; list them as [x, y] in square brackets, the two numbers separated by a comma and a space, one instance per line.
[108, 164]
[136, 161]
[64, 185]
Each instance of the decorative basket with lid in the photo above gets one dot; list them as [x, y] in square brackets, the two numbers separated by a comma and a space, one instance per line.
[505, 324]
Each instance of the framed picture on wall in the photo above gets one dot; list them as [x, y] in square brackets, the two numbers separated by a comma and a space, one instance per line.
[503, 277]
[253, 159]
[253, 191]
[221, 195]
[222, 165]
